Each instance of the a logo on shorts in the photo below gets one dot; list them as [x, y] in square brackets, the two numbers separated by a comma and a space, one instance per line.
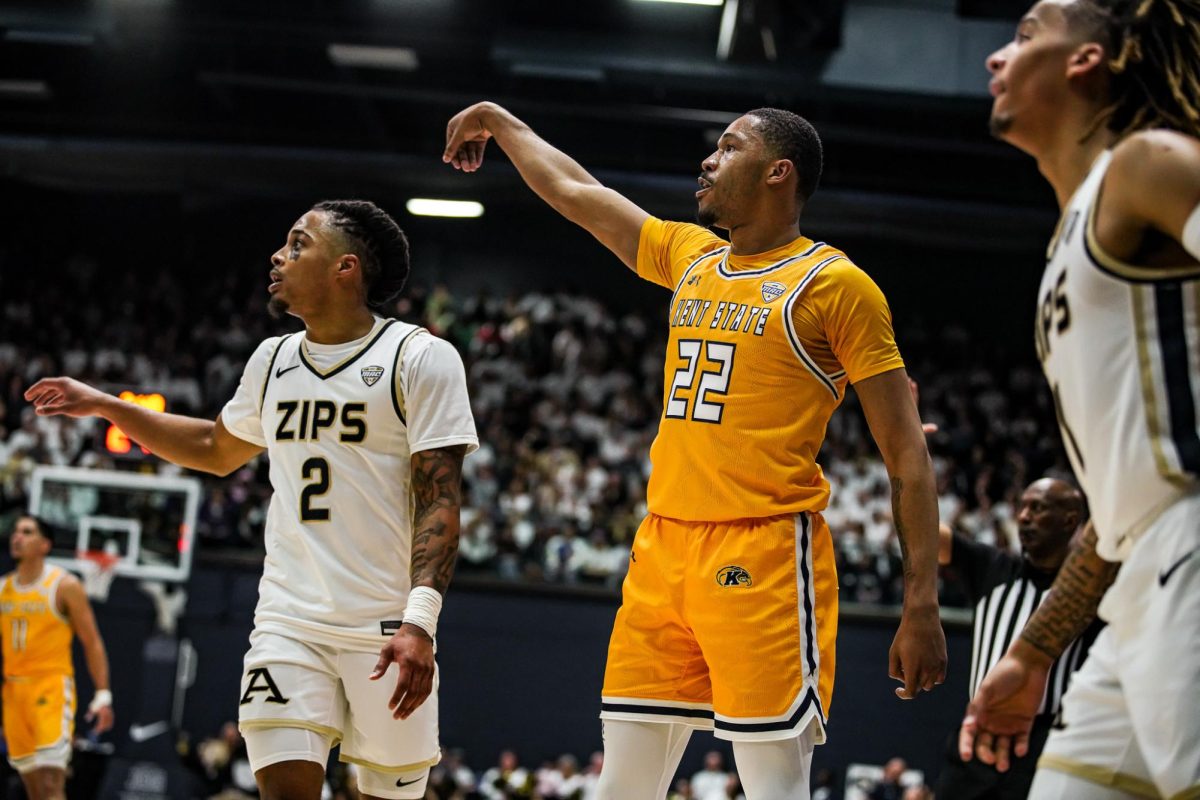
[772, 290]
[402, 782]
[371, 375]
[733, 575]
[260, 681]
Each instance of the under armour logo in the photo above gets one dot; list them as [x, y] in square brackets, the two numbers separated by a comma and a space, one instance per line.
[694, 280]
[261, 682]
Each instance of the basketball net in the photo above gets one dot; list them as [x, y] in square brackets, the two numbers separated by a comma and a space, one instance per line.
[98, 569]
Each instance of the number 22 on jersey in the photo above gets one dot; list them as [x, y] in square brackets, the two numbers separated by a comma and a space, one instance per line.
[701, 380]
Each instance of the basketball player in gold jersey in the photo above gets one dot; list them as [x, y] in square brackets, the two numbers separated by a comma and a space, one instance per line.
[40, 607]
[729, 611]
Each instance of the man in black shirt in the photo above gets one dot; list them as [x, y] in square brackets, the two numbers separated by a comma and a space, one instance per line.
[1005, 589]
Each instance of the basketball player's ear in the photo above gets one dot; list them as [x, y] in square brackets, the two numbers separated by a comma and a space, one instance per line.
[779, 171]
[347, 264]
[1086, 58]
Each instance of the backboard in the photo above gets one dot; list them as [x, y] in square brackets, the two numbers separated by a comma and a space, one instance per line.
[147, 521]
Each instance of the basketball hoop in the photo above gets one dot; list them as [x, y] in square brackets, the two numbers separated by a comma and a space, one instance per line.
[98, 569]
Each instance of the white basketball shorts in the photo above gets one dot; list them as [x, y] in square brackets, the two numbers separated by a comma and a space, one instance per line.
[289, 683]
[1131, 719]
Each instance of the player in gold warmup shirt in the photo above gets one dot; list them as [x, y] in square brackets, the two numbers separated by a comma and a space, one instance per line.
[729, 611]
[41, 607]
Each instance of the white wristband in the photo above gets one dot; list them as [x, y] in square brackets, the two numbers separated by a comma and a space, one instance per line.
[1191, 233]
[101, 699]
[424, 606]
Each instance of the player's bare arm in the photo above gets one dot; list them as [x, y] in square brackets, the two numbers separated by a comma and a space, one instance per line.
[190, 442]
[73, 604]
[945, 544]
[918, 654]
[1000, 716]
[556, 178]
[1151, 190]
[437, 498]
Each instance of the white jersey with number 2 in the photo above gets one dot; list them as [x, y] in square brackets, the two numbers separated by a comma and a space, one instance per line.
[340, 423]
[1120, 346]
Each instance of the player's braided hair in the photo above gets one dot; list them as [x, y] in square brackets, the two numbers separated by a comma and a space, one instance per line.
[791, 136]
[377, 240]
[1155, 63]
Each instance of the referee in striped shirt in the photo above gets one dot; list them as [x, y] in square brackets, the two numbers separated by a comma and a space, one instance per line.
[1005, 589]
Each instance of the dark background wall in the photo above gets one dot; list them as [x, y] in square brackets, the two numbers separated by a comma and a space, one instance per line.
[522, 669]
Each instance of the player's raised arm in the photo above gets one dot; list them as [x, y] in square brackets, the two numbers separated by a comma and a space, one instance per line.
[552, 174]
[190, 442]
[918, 654]
[74, 604]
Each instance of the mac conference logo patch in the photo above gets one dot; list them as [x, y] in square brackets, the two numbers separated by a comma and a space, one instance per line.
[772, 290]
[371, 375]
[733, 575]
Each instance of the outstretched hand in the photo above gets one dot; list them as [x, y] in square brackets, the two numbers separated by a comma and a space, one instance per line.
[917, 657]
[466, 138]
[101, 718]
[411, 649]
[68, 396]
[1000, 716]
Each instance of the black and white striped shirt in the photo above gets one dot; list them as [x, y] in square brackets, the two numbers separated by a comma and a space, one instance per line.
[1005, 590]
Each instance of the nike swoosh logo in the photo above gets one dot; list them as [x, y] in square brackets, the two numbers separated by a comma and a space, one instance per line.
[1165, 576]
[402, 782]
[141, 733]
[279, 371]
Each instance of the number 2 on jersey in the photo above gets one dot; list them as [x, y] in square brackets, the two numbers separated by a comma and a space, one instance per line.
[714, 381]
[317, 471]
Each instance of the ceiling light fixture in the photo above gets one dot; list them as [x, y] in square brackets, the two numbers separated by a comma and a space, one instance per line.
[687, 2]
[460, 209]
[402, 59]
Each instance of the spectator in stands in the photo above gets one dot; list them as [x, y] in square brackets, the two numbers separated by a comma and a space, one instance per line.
[591, 775]
[889, 787]
[507, 780]
[711, 782]
[226, 765]
[682, 790]
[452, 779]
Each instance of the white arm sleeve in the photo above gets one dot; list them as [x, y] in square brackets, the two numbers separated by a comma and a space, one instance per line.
[435, 397]
[1191, 233]
[243, 414]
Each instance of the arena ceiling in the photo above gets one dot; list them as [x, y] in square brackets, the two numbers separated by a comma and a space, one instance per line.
[278, 97]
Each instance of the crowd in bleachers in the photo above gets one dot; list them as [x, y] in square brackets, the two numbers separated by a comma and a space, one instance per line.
[566, 393]
[221, 765]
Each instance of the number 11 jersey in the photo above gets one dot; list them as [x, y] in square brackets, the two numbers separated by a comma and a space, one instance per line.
[761, 348]
[340, 424]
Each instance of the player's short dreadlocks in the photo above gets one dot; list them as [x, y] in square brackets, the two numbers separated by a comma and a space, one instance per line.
[378, 242]
[1155, 61]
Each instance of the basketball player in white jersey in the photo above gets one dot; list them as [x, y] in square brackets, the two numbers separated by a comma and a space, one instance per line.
[1105, 94]
[366, 422]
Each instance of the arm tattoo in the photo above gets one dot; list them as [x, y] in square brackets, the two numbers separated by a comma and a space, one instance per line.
[437, 497]
[901, 532]
[1070, 605]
